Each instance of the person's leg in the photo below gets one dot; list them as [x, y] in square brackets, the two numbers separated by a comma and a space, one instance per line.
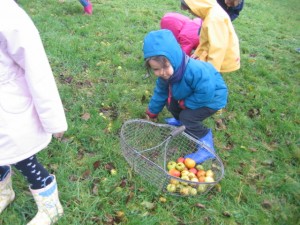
[36, 175]
[193, 121]
[174, 108]
[4, 171]
[87, 6]
[43, 187]
[7, 194]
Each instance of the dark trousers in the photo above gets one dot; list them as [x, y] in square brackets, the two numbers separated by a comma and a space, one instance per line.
[191, 118]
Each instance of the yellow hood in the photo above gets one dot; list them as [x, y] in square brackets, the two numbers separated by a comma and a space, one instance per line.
[200, 7]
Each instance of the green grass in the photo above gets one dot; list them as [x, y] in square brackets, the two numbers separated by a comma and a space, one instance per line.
[97, 61]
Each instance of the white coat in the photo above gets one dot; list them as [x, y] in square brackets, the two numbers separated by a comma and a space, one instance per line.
[30, 106]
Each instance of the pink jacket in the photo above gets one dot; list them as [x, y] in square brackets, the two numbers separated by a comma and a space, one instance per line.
[185, 30]
[30, 105]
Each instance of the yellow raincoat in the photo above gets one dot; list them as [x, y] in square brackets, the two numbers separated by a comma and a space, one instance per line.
[219, 43]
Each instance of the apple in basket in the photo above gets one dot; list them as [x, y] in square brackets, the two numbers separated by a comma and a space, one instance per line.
[193, 191]
[189, 163]
[193, 170]
[180, 159]
[199, 167]
[184, 191]
[209, 173]
[202, 188]
[171, 188]
[180, 166]
[209, 179]
[171, 165]
[174, 172]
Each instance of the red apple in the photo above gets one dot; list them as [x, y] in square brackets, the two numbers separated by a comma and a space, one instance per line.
[174, 172]
[180, 159]
[193, 170]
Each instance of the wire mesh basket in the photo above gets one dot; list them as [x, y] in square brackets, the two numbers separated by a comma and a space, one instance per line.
[151, 150]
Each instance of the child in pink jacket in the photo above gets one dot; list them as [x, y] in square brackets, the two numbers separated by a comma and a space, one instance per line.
[185, 30]
[31, 112]
[87, 6]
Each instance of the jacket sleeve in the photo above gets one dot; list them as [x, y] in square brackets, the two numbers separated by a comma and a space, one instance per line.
[26, 49]
[159, 98]
[218, 36]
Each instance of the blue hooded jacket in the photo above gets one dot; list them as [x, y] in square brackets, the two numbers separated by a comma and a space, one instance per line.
[197, 84]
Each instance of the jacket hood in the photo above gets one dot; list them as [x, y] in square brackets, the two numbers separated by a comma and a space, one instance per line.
[162, 42]
[200, 7]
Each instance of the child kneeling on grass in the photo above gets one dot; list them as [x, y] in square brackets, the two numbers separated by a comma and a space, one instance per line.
[31, 112]
[192, 90]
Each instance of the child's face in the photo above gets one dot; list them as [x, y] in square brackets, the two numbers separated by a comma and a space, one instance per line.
[159, 70]
[232, 3]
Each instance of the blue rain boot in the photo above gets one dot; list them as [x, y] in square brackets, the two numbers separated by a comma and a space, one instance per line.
[202, 154]
[173, 122]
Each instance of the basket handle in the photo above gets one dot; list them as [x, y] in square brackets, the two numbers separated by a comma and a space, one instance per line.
[177, 131]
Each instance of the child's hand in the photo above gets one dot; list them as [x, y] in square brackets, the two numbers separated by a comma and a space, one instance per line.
[59, 135]
[194, 56]
[151, 119]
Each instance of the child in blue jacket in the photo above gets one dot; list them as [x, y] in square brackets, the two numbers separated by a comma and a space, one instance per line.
[192, 90]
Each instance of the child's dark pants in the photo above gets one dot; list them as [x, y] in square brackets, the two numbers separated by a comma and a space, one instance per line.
[191, 118]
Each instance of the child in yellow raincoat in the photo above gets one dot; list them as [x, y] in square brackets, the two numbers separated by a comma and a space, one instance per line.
[219, 43]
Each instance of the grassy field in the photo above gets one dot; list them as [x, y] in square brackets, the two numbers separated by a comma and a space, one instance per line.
[98, 65]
